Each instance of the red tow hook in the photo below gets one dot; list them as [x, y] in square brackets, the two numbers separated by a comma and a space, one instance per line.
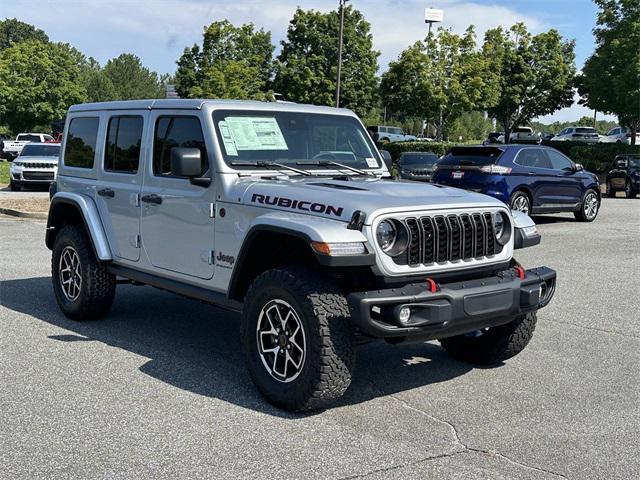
[520, 271]
[432, 285]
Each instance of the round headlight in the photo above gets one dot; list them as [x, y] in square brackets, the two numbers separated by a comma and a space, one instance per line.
[386, 235]
[501, 227]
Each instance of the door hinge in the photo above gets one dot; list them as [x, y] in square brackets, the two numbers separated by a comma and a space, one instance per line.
[212, 257]
[212, 210]
[137, 200]
[136, 240]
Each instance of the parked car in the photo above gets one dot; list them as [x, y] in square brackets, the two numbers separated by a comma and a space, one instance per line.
[386, 134]
[547, 136]
[624, 176]
[12, 148]
[577, 134]
[522, 135]
[617, 135]
[37, 164]
[417, 165]
[245, 205]
[531, 179]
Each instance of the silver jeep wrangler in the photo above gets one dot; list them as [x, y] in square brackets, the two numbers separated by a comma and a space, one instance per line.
[285, 213]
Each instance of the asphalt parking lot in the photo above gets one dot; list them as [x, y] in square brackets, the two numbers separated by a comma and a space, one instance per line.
[159, 390]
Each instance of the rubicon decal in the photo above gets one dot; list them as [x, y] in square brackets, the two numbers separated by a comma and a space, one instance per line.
[294, 204]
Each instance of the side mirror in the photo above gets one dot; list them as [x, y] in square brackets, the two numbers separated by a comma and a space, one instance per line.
[386, 158]
[187, 162]
[579, 167]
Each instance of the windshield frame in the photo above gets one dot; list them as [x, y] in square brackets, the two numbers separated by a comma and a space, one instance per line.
[217, 114]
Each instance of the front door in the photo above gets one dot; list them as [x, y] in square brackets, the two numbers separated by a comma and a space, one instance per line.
[118, 188]
[176, 222]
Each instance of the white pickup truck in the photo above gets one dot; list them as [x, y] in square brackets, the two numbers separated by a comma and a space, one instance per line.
[11, 149]
[522, 135]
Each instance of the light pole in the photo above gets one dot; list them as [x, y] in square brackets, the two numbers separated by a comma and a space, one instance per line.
[431, 16]
[341, 34]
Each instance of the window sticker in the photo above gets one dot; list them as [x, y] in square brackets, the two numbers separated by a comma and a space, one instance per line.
[372, 162]
[256, 133]
[227, 139]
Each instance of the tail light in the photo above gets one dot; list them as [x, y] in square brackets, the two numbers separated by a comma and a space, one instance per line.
[495, 169]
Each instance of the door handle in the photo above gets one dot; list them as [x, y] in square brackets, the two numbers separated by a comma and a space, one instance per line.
[106, 192]
[152, 198]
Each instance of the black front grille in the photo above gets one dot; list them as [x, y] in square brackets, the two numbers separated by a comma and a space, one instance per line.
[37, 175]
[448, 238]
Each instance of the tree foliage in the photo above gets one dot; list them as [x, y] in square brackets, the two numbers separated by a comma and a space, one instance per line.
[536, 74]
[233, 62]
[14, 31]
[440, 79]
[610, 80]
[125, 78]
[306, 69]
[38, 83]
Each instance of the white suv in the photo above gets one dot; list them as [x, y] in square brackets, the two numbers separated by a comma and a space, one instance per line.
[617, 135]
[577, 134]
[286, 214]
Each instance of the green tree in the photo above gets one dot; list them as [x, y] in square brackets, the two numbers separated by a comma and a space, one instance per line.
[610, 80]
[38, 83]
[306, 69]
[440, 79]
[536, 74]
[126, 78]
[14, 31]
[233, 62]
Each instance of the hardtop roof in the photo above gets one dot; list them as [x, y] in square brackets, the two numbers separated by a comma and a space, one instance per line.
[198, 104]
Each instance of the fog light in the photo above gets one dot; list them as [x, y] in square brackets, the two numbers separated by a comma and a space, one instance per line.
[404, 314]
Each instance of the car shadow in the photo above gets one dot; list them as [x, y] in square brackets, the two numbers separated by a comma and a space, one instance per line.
[196, 347]
[547, 219]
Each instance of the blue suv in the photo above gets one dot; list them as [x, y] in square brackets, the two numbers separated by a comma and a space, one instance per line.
[528, 178]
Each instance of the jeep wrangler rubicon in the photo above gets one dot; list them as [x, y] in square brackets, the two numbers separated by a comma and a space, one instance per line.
[285, 213]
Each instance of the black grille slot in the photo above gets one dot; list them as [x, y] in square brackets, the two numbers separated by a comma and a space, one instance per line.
[480, 234]
[491, 238]
[413, 252]
[455, 236]
[429, 241]
[468, 236]
[442, 251]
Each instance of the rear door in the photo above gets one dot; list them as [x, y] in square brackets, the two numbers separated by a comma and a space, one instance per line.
[536, 172]
[119, 179]
[176, 216]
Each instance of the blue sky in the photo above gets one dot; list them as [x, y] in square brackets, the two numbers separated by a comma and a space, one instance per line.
[158, 30]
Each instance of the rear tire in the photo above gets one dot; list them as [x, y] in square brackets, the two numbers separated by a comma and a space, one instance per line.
[494, 344]
[611, 193]
[84, 289]
[299, 371]
[589, 207]
[629, 192]
[520, 202]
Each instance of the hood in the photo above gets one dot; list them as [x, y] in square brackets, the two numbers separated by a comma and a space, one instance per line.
[37, 159]
[338, 199]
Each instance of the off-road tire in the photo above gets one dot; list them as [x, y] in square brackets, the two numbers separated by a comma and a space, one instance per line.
[495, 344]
[324, 314]
[580, 214]
[14, 187]
[98, 286]
[611, 193]
[629, 191]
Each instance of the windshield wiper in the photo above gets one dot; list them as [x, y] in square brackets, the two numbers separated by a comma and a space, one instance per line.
[327, 163]
[264, 164]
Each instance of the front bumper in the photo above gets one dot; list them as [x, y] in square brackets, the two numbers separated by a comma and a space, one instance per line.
[453, 308]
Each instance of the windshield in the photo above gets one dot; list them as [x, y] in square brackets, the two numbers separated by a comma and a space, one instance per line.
[293, 138]
[40, 150]
[419, 159]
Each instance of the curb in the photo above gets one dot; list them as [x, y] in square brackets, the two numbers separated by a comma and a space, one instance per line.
[18, 213]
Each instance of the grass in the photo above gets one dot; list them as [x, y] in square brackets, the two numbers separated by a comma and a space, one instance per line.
[4, 172]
